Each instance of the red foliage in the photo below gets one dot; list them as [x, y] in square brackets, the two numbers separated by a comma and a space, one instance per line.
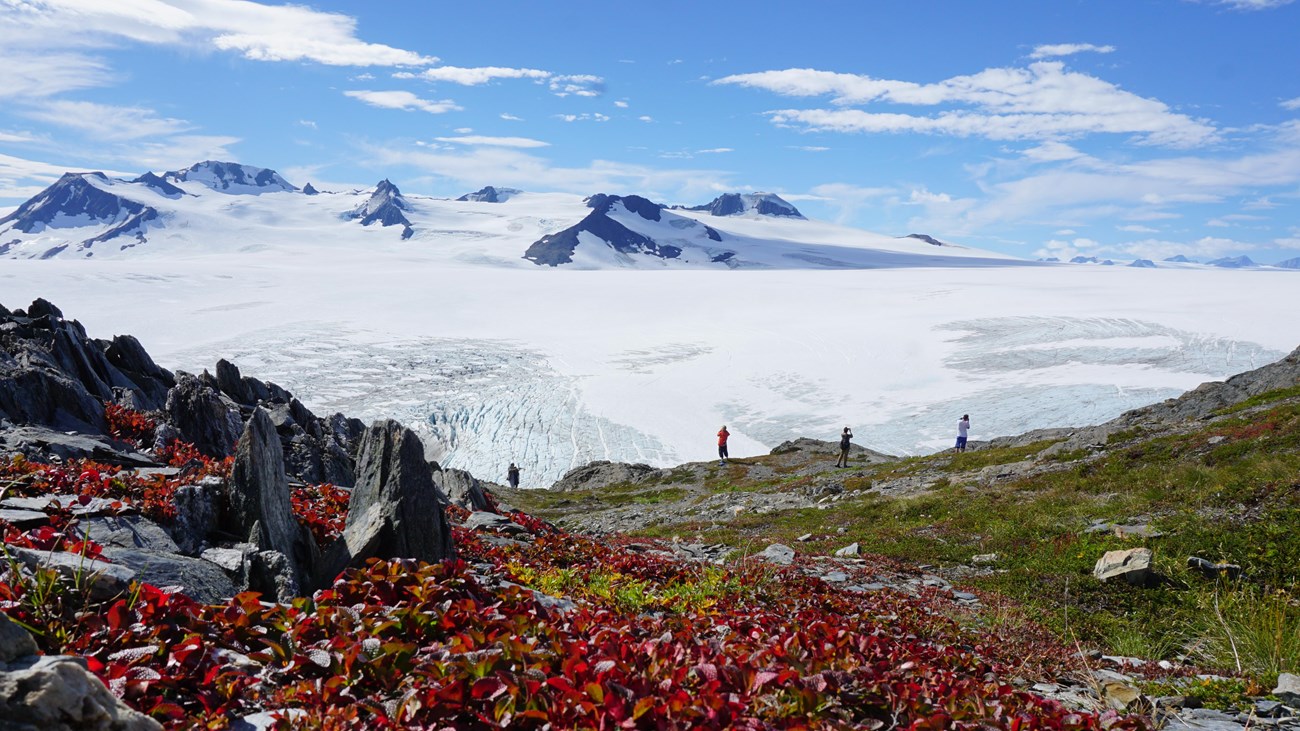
[129, 425]
[323, 509]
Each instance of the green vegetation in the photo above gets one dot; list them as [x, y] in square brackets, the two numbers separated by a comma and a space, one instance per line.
[1228, 492]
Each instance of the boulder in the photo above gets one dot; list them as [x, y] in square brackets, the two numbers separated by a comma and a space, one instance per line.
[104, 580]
[1212, 570]
[152, 382]
[603, 473]
[42, 444]
[202, 581]
[196, 516]
[850, 550]
[463, 489]
[818, 447]
[58, 693]
[395, 510]
[778, 553]
[1288, 688]
[203, 416]
[127, 531]
[258, 508]
[1132, 565]
[15, 642]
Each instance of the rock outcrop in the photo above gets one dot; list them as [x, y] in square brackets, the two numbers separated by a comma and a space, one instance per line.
[204, 416]
[258, 510]
[395, 510]
[602, 473]
[462, 489]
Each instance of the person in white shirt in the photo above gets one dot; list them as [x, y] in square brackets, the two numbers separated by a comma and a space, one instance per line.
[963, 428]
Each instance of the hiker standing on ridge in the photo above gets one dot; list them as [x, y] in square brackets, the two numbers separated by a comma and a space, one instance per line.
[963, 428]
[512, 475]
[845, 437]
[722, 445]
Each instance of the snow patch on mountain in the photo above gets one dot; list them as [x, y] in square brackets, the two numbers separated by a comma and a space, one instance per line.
[86, 206]
[490, 194]
[386, 206]
[739, 204]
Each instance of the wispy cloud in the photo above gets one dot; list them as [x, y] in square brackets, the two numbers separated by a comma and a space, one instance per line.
[1043, 101]
[577, 85]
[106, 121]
[584, 117]
[473, 76]
[1251, 4]
[403, 100]
[254, 30]
[31, 75]
[646, 118]
[621, 104]
[809, 148]
[511, 117]
[1292, 104]
[521, 142]
[1068, 49]
[714, 151]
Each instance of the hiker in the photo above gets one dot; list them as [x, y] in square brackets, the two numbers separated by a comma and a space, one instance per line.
[512, 475]
[845, 436]
[722, 445]
[963, 428]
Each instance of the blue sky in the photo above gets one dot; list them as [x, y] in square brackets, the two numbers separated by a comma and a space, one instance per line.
[1116, 128]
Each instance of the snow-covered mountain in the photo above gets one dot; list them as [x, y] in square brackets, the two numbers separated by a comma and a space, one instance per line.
[223, 207]
[739, 204]
[1289, 264]
[1232, 262]
[232, 177]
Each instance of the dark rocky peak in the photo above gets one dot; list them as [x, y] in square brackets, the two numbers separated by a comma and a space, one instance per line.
[1143, 264]
[735, 204]
[232, 177]
[158, 183]
[1232, 262]
[308, 189]
[1085, 260]
[1289, 264]
[70, 201]
[602, 203]
[385, 207]
[1180, 259]
[927, 238]
[490, 194]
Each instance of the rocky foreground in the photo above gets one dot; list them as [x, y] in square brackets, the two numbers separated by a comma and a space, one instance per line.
[201, 550]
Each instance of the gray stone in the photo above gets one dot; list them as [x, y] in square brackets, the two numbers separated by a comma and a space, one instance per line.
[23, 518]
[43, 444]
[195, 519]
[486, 521]
[850, 550]
[234, 561]
[836, 577]
[258, 508]
[602, 474]
[1288, 688]
[965, 596]
[805, 538]
[127, 531]
[104, 580]
[778, 553]
[204, 416]
[59, 694]
[201, 580]
[463, 489]
[15, 642]
[395, 510]
[1269, 709]
[1206, 719]
[1132, 565]
[272, 572]
[984, 558]
[1212, 570]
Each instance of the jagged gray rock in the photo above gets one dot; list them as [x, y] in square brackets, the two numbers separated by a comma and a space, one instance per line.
[395, 510]
[258, 509]
[127, 531]
[463, 489]
[58, 693]
[200, 580]
[204, 416]
[196, 516]
[778, 553]
[15, 642]
[103, 580]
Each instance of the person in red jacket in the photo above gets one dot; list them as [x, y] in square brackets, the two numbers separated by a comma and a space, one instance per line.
[722, 445]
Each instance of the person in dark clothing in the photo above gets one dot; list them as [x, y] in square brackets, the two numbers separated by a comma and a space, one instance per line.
[845, 437]
[512, 475]
[722, 444]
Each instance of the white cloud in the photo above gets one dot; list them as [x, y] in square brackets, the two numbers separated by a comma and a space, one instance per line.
[1137, 229]
[463, 130]
[584, 117]
[1253, 4]
[474, 76]
[16, 137]
[404, 100]
[511, 117]
[307, 123]
[105, 121]
[1066, 232]
[176, 152]
[257, 31]
[714, 151]
[621, 104]
[577, 85]
[1043, 101]
[28, 76]
[1068, 49]
[646, 118]
[809, 148]
[512, 167]
[1291, 104]
[521, 142]
[847, 198]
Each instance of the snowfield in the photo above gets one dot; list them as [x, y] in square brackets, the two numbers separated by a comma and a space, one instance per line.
[621, 354]
[553, 368]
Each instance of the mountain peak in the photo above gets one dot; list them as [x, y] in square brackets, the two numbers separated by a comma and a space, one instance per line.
[490, 194]
[763, 204]
[385, 206]
[927, 238]
[232, 177]
[158, 183]
[1232, 262]
[75, 201]
[309, 190]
